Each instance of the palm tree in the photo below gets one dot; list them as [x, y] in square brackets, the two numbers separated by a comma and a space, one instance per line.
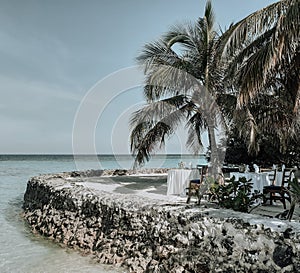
[183, 84]
[265, 65]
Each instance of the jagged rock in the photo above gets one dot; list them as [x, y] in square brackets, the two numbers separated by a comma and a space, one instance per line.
[282, 255]
[120, 172]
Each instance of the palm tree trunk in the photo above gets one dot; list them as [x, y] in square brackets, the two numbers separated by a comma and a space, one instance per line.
[215, 169]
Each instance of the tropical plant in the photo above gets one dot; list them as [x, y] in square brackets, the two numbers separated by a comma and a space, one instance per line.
[184, 81]
[183, 85]
[295, 196]
[263, 52]
[236, 194]
[269, 152]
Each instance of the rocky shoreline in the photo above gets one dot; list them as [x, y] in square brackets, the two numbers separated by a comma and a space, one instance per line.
[118, 172]
[151, 235]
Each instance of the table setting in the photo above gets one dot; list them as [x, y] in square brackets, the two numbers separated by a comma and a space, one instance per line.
[178, 179]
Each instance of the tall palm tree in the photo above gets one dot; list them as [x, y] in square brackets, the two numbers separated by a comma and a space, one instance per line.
[183, 83]
[265, 65]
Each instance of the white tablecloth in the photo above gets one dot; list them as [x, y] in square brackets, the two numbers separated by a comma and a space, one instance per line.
[259, 180]
[178, 179]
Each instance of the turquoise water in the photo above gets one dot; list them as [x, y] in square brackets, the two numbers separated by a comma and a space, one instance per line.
[21, 251]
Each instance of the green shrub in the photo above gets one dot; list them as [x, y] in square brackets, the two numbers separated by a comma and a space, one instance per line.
[294, 190]
[234, 194]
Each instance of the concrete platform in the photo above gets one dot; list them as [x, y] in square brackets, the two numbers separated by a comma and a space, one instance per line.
[155, 187]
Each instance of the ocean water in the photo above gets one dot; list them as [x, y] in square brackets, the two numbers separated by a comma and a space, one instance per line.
[22, 251]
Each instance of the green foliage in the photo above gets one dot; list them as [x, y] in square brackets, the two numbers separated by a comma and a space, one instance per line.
[270, 151]
[295, 189]
[234, 195]
[295, 195]
[265, 70]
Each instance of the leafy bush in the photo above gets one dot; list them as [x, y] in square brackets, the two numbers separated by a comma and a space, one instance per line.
[234, 194]
[295, 196]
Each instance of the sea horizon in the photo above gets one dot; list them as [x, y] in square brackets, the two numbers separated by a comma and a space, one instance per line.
[69, 154]
[109, 161]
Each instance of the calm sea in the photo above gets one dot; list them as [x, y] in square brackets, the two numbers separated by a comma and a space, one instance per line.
[20, 250]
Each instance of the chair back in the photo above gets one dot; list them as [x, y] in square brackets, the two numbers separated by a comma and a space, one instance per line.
[203, 171]
[286, 176]
[272, 176]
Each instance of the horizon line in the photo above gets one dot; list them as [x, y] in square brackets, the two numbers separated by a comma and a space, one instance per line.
[71, 154]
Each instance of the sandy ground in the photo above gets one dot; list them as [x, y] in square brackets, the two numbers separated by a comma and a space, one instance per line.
[155, 187]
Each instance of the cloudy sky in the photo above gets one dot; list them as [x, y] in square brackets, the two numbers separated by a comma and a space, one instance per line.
[58, 54]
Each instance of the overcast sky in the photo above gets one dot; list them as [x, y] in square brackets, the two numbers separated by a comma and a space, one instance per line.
[53, 52]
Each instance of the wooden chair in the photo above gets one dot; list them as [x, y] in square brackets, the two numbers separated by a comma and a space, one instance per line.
[278, 192]
[194, 185]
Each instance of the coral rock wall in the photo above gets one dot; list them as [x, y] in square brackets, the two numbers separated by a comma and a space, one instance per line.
[151, 236]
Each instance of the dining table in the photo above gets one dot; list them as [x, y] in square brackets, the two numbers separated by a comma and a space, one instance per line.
[178, 180]
[259, 180]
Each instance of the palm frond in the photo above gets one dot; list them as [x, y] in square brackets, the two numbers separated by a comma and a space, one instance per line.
[142, 144]
[252, 77]
[209, 16]
[196, 126]
[257, 22]
[245, 120]
[146, 137]
[261, 43]
[168, 80]
[234, 62]
[157, 110]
